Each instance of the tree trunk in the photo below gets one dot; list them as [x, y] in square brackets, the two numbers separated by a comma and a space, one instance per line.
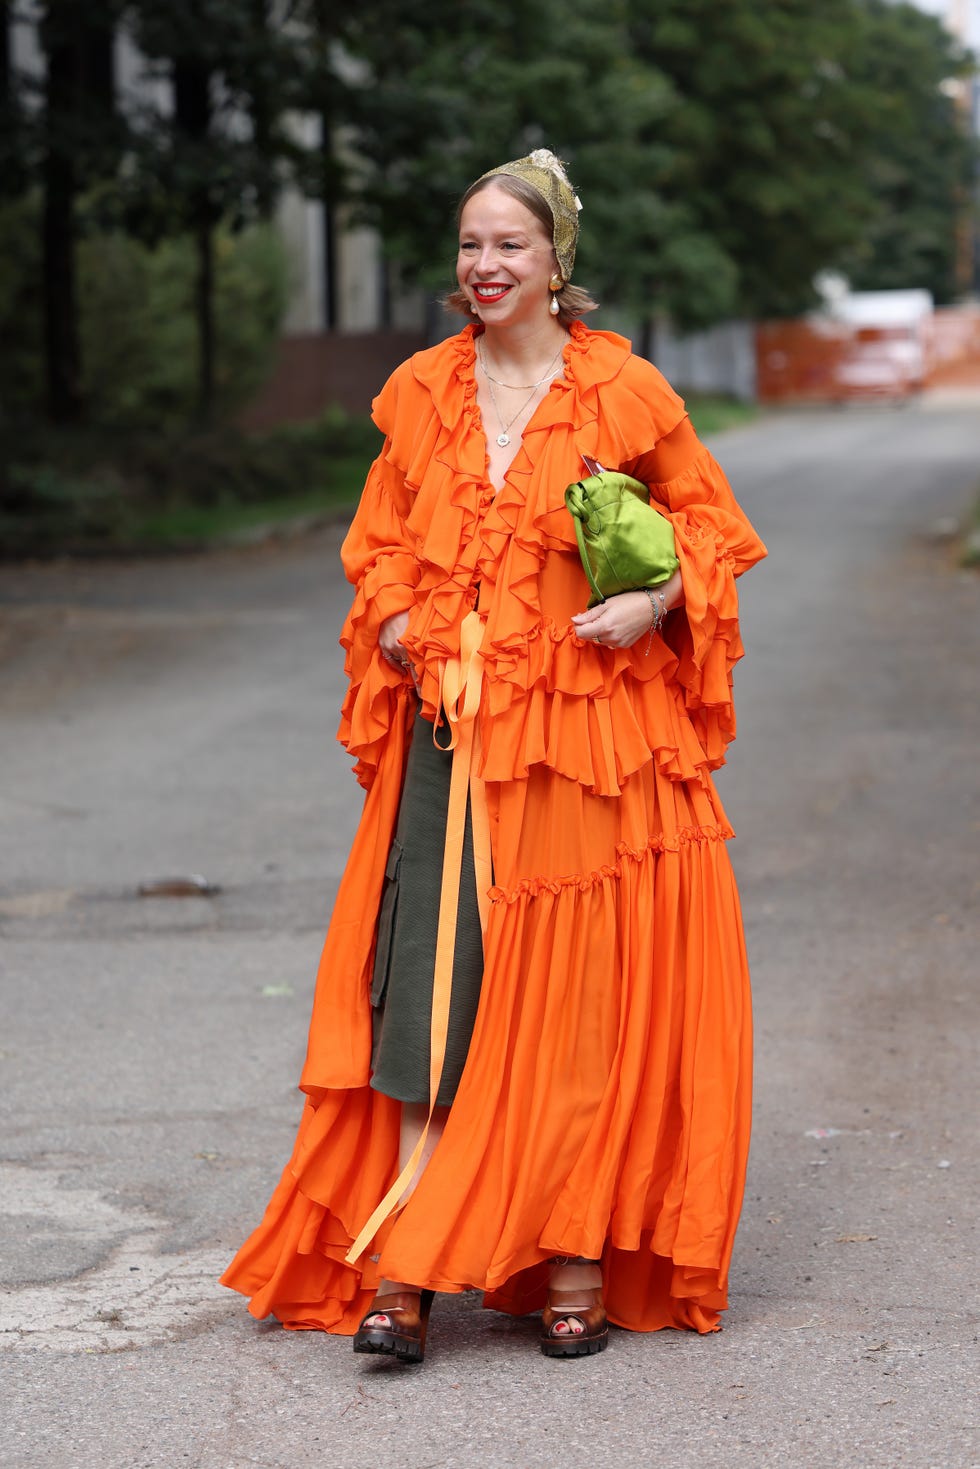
[263, 117]
[79, 145]
[648, 338]
[331, 315]
[204, 311]
[62, 353]
[384, 293]
[326, 19]
[4, 55]
[192, 120]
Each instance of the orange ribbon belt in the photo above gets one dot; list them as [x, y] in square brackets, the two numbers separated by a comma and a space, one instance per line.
[461, 685]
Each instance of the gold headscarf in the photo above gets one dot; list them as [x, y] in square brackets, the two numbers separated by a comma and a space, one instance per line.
[546, 175]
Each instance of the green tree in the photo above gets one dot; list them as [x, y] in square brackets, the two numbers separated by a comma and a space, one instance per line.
[720, 149]
[919, 160]
[435, 95]
[726, 152]
[762, 186]
[220, 154]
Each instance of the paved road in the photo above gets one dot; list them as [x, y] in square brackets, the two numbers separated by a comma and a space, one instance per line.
[167, 718]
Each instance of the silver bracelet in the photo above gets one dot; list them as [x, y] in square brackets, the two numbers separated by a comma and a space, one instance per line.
[659, 609]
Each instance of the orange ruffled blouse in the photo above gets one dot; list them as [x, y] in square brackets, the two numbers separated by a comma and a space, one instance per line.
[604, 1107]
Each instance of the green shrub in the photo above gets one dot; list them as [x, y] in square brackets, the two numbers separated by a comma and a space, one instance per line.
[21, 356]
[139, 335]
[91, 489]
[136, 321]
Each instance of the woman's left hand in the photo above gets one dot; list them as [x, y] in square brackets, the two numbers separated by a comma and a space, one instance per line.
[621, 621]
[618, 622]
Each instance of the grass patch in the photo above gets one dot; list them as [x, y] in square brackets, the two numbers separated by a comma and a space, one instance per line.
[713, 412]
[182, 526]
[970, 553]
[91, 491]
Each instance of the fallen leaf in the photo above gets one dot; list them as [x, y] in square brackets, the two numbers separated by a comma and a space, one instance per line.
[855, 1239]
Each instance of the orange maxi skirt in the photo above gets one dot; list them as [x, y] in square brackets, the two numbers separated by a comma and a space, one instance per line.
[604, 1107]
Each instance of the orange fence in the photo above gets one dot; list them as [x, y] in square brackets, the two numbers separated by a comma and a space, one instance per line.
[821, 360]
[955, 345]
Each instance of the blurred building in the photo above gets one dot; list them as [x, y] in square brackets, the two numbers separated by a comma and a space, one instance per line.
[962, 17]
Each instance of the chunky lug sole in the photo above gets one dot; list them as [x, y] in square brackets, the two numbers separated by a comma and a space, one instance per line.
[408, 1312]
[586, 1306]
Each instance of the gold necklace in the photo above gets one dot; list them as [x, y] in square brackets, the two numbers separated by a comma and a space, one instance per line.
[516, 387]
[503, 438]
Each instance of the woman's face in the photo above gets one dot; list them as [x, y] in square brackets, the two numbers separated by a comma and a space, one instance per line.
[506, 258]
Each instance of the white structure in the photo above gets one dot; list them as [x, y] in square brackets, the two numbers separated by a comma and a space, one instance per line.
[882, 309]
[891, 334]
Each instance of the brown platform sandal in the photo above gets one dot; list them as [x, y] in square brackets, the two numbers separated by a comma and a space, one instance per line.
[567, 1308]
[404, 1338]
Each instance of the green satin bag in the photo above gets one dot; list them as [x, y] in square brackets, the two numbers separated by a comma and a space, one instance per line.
[625, 544]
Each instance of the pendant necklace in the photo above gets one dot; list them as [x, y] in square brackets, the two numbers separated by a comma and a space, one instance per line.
[503, 438]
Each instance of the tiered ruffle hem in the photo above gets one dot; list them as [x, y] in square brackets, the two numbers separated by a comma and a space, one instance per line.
[604, 1106]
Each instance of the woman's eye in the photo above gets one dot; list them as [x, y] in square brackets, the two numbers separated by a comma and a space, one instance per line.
[469, 246]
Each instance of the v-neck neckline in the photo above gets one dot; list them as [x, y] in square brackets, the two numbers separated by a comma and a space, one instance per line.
[480, 425]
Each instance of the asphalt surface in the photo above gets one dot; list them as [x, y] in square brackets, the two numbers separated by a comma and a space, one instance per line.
[169, 718]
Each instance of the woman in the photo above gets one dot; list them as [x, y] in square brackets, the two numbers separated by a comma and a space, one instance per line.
[548, 1099]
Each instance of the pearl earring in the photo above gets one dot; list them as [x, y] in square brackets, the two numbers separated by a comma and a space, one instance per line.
[554, 308]
[554, 286]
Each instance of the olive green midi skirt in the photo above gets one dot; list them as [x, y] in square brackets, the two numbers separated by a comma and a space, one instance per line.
[401, 992]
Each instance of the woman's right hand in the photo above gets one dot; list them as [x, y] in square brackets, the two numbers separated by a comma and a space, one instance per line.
[389, 640]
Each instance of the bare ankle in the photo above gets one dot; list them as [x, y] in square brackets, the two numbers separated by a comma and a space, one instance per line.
[574, 1272]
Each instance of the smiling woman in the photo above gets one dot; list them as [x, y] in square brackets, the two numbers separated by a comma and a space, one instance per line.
[516, 250]
[557, 222]
[529, 1058]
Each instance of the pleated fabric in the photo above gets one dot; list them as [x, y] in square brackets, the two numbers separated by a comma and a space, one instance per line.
[604, 1106]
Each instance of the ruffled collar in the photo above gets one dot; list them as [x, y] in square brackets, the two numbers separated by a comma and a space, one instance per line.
[591, 358]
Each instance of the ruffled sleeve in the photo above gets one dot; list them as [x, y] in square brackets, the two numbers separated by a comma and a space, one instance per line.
[715, 543]
[379, 558]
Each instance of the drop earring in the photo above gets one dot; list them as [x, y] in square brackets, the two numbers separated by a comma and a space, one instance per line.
[554, 286]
